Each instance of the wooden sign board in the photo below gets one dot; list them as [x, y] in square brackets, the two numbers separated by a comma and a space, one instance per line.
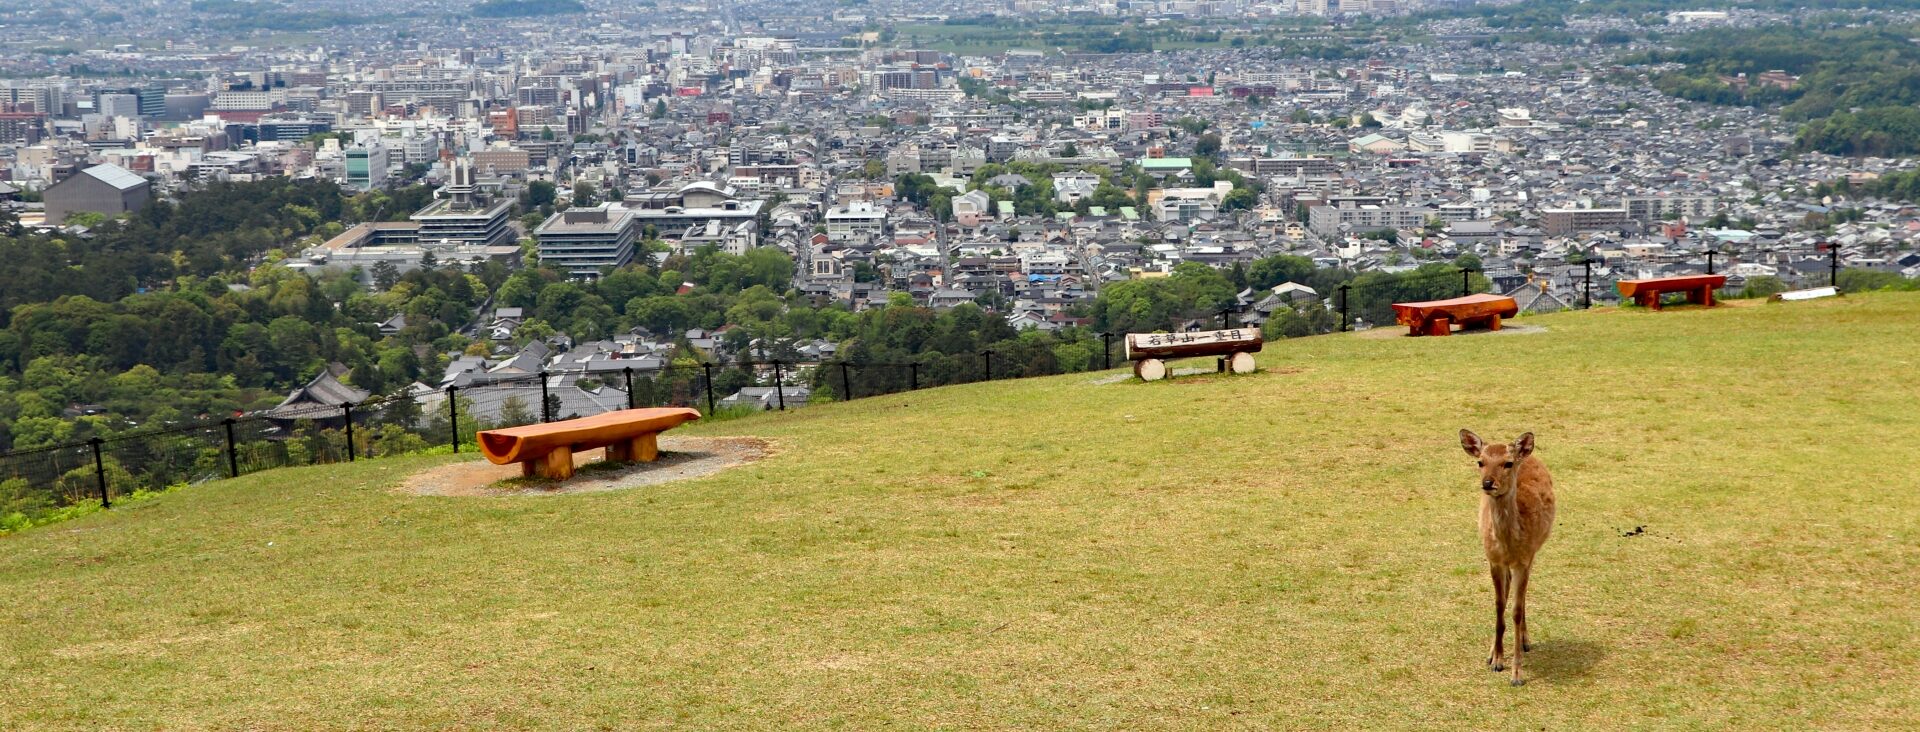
[1200, 343]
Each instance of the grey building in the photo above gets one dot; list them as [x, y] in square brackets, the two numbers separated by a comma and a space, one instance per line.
[1359, 214]
[582, 241]
[117, 105]
[691, 205]
[465, 216]
[1651, 209]
[1567, 221]
[107, 189]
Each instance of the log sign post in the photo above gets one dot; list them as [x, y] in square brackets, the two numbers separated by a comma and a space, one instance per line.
[1149, 351]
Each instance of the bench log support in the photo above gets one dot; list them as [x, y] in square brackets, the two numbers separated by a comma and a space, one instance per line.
[644, 449]
[559, 464]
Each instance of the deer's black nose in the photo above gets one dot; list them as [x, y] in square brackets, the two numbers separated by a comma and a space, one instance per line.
[1486, 485]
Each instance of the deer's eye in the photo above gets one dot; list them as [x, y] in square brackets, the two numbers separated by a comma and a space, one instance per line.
[1509, 463]
[1483, 463]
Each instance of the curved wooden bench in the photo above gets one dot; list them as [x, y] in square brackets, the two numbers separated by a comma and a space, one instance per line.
[1436, 317]
[547, 449]
[1699, 289]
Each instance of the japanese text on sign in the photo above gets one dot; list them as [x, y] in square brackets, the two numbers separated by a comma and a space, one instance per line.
[1153, 340]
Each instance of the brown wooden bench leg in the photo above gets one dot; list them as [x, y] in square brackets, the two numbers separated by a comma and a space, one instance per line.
[559, 464]
[1440, 326]
[1493, 323]
[644, 448]
[529, 468]
[1706, 295]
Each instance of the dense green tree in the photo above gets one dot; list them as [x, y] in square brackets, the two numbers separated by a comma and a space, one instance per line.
[584, 194]
[539, 193]
[1207, 146]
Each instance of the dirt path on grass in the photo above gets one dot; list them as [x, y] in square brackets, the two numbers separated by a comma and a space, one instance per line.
[681, 458]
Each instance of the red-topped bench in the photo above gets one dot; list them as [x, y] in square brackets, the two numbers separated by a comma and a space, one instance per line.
[547, 449]
[1699, 289]
[1437, 317]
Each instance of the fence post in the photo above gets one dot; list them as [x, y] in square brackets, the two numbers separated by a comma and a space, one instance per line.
[346, 408]
[846, 386]
[100, 472]
[1466, 282]
[1107, 340]
[986, 365]
[628, 370]
[1587, 289]
[453, 416]
[1343, 307]
[233, 451]
[1225, 314]
[708, 368]
[1833, 265]
[913, 376]
[1710, 254]
[546, 413]
[779, 386]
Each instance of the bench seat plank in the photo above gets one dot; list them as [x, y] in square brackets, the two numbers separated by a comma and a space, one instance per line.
[1647, 292]
[1434, 317]
[547, 449]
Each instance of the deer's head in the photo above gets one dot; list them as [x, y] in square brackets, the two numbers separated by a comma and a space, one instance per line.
[1499, 464]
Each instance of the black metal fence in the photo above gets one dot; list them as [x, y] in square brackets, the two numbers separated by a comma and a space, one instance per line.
[46, 479]
[38, 481]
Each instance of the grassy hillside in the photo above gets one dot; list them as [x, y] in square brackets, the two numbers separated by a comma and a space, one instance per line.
[1293, 549]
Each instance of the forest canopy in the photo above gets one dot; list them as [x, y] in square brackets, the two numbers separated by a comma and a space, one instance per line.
[1855, 92]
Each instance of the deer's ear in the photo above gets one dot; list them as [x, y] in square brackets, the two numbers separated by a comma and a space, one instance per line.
[1523, 446]
[1471, 442]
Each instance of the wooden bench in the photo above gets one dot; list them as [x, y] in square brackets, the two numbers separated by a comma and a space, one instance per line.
[1699, 289]
[547, 450]
[1437, 317]
[1149, 351]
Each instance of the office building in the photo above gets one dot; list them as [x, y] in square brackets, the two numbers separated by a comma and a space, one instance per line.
[117, 104]
[672, 214]
[583, 242]
[21, 128]
[366, 166]
[464, 215]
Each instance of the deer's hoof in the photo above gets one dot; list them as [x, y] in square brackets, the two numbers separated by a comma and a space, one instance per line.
[1519, 682]
[1495, 666]
[1527, 647]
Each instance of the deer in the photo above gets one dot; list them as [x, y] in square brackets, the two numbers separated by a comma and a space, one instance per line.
[1516, 515]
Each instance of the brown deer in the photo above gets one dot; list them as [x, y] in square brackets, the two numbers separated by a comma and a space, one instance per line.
[1516, 514]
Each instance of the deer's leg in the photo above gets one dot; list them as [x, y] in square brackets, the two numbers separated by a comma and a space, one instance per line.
[1498, 654]
[1520, 576]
